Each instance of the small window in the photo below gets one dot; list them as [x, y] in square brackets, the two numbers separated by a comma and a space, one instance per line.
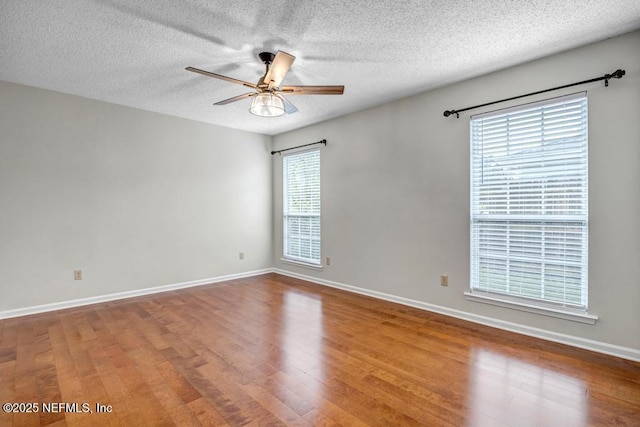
[301, 197]
[529, 213]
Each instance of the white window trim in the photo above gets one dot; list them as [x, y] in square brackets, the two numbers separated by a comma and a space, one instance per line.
[500, 301]
[537, 307]
[288, 259]
[303, 264]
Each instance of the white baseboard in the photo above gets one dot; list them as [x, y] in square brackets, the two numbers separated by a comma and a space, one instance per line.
[127, 294]
[587, 344]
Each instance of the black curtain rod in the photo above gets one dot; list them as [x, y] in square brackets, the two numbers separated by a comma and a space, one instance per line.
[615, 75]
[324, 141]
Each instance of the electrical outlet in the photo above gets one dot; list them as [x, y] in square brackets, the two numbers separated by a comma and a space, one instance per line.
[241, 255]
[77, 274]
[328, 261]
[444, 280]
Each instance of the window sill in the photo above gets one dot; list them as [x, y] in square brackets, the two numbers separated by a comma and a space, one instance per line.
[302, 264]
[567, 315]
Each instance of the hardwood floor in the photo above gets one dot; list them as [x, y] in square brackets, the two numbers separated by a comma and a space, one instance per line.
[272, 350]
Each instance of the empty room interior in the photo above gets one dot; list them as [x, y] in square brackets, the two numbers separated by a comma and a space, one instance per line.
[320, 213]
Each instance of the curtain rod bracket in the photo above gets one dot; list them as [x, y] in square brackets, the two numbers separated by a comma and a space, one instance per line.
[615, 75]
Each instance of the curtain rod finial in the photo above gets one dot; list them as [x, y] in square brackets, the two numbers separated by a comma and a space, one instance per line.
[619, 73]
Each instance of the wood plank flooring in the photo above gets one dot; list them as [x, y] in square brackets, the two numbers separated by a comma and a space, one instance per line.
[272, 350]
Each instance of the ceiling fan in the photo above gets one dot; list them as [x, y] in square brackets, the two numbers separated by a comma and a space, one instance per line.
[268, 98]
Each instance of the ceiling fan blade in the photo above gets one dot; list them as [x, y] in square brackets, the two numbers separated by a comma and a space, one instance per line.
[278, 69]
[312, 90]
[289, 108]
[236, 98]
[221, 77]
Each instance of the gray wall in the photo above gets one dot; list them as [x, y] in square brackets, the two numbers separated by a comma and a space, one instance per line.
[395, 191]
[134, 199]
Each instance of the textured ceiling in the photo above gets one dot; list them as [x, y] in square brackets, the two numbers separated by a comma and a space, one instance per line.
[134, 52]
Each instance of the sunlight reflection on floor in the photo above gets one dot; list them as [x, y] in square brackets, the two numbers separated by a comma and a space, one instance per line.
[506, 391]
[303, 324]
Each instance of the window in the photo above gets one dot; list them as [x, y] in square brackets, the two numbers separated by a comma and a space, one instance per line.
[529, 213]
[301, 222]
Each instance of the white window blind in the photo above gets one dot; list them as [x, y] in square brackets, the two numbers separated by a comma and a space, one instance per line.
[529, 203]
[301, 225]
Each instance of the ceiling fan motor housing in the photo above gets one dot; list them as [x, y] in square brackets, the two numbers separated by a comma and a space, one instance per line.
[266, 57]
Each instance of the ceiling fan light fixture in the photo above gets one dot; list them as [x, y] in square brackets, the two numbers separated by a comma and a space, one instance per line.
[267, 104]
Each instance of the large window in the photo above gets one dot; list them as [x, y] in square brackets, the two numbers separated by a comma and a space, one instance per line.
[529, 204]
[301, 222]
